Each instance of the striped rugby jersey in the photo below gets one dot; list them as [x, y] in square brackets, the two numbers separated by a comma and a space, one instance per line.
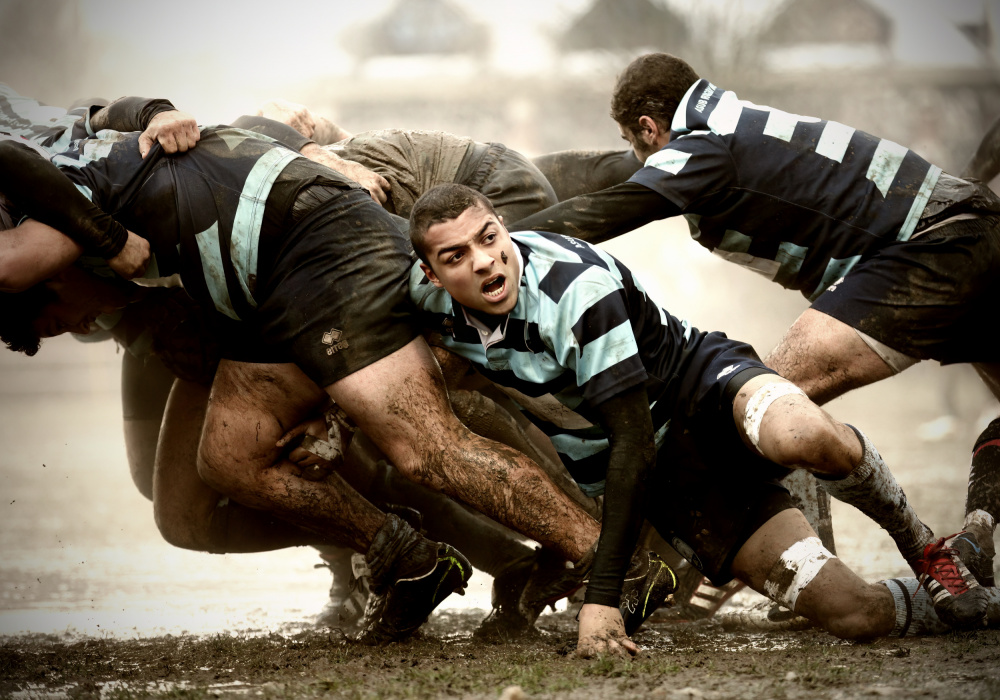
[202, 211]
[583, 330]
[52, 128]
[798, 199]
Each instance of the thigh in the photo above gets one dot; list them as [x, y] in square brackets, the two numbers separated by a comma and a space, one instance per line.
[146, 383]
[401, 404]
[251, 406]
[181, 500]
[825, 357]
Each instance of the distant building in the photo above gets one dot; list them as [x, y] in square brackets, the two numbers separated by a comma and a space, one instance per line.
[626, 25]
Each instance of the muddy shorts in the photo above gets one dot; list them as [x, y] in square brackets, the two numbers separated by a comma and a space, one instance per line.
[512, 183]
[336, 298]
[933, 297]
[709, 492]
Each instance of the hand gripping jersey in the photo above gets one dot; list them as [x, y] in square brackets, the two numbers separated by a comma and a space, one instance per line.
[203, 211]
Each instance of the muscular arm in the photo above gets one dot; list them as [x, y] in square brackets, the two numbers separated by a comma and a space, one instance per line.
[378, 187]
[33, 252]
[603, 215]
[129, 114]
[629, 425]
[37, 189]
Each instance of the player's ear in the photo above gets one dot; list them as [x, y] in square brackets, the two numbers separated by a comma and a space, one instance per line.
[649, 130]
[431, 276]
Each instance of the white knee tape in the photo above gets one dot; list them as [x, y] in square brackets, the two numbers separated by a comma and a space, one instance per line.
[796, 569]
[759, 403]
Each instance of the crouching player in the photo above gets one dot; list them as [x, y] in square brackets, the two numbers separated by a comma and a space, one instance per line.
[655, 411]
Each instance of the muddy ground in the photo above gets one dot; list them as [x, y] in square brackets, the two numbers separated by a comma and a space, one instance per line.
[680, 660]
[94, 604]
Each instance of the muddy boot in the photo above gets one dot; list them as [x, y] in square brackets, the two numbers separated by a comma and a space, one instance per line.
[410, 576]
[349, 591]
[523, 590]
[649, 583]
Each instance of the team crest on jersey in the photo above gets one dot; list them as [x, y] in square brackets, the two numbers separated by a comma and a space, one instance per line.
[334, 338]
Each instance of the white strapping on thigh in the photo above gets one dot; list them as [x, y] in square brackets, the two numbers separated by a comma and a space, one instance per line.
[896, 360]
[799, 565]
[759, 403]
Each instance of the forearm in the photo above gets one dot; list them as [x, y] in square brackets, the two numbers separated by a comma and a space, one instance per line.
[627, 420]
[129, 114]
[602, 215]
[276, 130]
[38, 190]
[31, 253]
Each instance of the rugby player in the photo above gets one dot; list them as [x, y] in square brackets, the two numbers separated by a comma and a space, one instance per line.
[644, 406]
[310, 275]
[898, 258]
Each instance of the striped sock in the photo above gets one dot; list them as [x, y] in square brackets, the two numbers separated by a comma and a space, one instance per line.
[915, 614]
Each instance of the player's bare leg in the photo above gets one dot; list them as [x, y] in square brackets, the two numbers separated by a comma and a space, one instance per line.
[825, 357]
[826, 591]
[778, 420]
[400, 402]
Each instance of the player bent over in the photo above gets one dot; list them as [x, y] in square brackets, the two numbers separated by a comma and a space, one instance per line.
[651, 407]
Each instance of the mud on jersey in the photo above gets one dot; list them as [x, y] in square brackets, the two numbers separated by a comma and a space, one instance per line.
[798, 199]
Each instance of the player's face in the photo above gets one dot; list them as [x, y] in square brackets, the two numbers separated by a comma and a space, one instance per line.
[80, 299]
[472, 257]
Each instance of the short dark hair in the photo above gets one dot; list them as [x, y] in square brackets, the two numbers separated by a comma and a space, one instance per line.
[652, 85]
[18, 310]
[439, 204]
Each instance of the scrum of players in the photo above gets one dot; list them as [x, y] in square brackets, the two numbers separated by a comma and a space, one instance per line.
[417, 356]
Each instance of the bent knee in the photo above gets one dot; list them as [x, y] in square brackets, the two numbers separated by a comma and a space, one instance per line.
[812, 440]
[182, 529]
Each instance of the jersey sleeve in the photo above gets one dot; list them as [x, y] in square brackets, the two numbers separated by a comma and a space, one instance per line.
[126, 114]
[593, 336]
[36, 188]
[687, 168]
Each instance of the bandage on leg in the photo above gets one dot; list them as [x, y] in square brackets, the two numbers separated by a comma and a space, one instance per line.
[797, 567]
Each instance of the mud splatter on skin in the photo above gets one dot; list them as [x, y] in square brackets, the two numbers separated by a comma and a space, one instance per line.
[492, 478]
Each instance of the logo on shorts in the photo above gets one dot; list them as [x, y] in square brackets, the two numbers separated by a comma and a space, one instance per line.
[728, 370]
[833, 287]
[333, 338]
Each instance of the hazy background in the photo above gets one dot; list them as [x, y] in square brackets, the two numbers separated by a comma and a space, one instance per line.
[78, 549]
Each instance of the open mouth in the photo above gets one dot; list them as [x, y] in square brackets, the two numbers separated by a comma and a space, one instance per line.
[495, 286]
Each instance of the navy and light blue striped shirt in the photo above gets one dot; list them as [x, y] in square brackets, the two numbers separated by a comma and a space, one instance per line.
[203, 211]
[583, 330]
[798, 199]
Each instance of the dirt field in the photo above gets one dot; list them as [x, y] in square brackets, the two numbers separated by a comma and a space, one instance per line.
[94, 604]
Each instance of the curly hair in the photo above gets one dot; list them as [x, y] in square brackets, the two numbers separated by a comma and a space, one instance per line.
[652, 85]
[442, 203]
[18, 310]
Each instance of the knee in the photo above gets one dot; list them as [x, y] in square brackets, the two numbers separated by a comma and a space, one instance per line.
[813, 441]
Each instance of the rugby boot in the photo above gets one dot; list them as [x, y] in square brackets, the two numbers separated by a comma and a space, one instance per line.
[349, 591]
[410, 576]
[649, 583]
[523, 589]
[552, 578]
[979, 558]
[958, 598]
